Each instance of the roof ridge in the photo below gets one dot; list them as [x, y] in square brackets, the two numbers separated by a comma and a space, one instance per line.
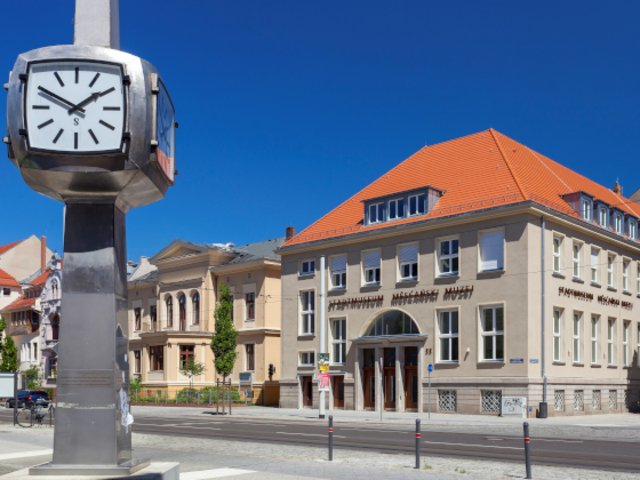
[506, 161]
[544, 164]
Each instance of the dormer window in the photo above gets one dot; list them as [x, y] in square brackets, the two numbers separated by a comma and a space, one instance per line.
[617, 223]
[603, 216]
[400, 205]
[417, 204]
[376, 212]
[396, 208]
[586, 208]
[632, 228]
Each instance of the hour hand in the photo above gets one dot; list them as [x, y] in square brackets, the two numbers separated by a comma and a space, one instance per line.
[58, 97]
[84, 102]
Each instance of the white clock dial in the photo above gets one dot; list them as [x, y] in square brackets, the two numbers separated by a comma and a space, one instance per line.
[75, 106]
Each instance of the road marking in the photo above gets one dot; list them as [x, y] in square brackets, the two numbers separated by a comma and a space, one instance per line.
[32, 453]
[310, 434]
[187, 425]
[215, 473]
[472, 445]
[556, 440]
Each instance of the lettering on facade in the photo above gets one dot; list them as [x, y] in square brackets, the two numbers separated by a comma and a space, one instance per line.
[588, 297]
[451, 293]
[579, 294]
[357, 302]
[415, 296]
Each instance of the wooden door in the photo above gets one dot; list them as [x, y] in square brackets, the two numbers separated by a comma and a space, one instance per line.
[307, 391]
[389, 378]
[411, 378]
[338, 391]
[369, 378]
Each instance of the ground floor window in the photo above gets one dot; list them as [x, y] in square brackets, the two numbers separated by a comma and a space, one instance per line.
[250, 356]
[578, 400]
[137, 364]
[613, 400]
[596, 400]
[156, 357]
[558, 400]
[187, 356]
[447, 400]
[491, 401]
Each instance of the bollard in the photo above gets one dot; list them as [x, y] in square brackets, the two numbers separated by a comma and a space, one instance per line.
[418, 439]
[330, 430]
[527, 453]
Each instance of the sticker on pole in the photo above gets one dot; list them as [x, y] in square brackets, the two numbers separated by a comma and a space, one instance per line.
[430, 367]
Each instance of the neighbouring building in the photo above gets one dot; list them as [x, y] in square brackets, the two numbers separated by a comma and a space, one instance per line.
[51, 308]
[172, 298]
[509, 273]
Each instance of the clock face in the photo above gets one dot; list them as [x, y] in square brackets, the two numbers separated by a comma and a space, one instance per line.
[166, 132]
[74, 106]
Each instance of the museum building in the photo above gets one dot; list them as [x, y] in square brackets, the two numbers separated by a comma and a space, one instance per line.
[498, 269]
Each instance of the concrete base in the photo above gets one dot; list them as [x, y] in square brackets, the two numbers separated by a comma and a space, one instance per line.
[145, 471]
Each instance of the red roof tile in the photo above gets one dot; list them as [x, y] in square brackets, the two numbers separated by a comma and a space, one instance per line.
[7, 280]
[9, 246]
[21, 303]
[486, 169]
[41, 279]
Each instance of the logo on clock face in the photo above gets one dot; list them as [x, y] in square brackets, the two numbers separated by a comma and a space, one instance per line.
[75, 106]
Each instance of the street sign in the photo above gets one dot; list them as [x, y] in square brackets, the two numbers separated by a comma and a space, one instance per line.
[430, 367]
[323, 382]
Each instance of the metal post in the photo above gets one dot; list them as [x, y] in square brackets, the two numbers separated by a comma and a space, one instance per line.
[527, 453]
[429, 398]
[15, 397]
[418, 440]
[323, 330]
[330, 430]
[229, 396]
[97, 23]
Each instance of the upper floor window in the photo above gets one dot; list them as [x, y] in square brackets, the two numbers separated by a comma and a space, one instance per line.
[603, 216]
[611, 341]
[400, 205]
[250, 357]
[625, 275]
[339, 340]
[250, 306]
[307, 312]
[187, 356]
[6, 291]
[195, 304]
[577, 260]
[169, 309]
[371, 267]
[577, 337]
[557, 334]
[595, 265]
[491, 250]
[611, 278]
[182, 311]
[586, 209]
[492, 333]
[307, 267]
[377, 212]
[408, 262]
[153, 316]
[448, 257]
[306, 359]
[617, 223]
[338, 266]
[595, 327]
[557, 254]
[137, 315]
[417, 204]
[396, 208]
[632, 229]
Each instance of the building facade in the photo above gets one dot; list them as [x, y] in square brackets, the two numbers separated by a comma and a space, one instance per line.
[507, 273]
[172, 298]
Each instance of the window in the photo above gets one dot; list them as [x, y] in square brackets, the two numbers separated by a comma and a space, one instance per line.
[587, 209]
[137, 361]
[448, 336]
[417, 204]
[491, 250]
[408, 262]
[595, 326]
[182, 311]
[156, 357]
[557, 254]
[376, 212]
[577, 337]
[6, 291]
[603, 217]
[633, 229]
[169, 309]
[625, 275]
[307, 267]
[638, 280]
[576, 260]
[492, 333]
[448, 257]
[557, 335]
[307, 312]
[339, 340]
[137, 316]
[153, 315]
[617, 223]
[638, 350]
[595, 270]
[611, 341]
[250, 306]
[187, 357]
[371, 267]
[626, 357]
[396, 208]
[307, 359]
[611, 271]
[195, 304]
[250, 357]
[339, 271]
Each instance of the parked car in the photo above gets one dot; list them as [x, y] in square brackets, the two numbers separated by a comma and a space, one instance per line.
[28, 398]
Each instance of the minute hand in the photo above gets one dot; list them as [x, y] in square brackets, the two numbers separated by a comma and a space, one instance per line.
[59, 98]
[89, 99]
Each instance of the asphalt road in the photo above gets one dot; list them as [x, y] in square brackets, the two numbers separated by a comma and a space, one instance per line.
[569, 452]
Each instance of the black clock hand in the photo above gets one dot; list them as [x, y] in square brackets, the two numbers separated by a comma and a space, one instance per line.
[89, 99]
[58, 97]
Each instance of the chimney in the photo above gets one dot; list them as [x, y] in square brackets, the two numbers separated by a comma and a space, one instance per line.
[289, 233]
[617, 188]
[43, 253]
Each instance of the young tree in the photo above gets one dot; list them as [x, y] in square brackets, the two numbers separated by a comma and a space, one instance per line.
[33, 377]
[192, 369]
[8, 351]
[224, 341]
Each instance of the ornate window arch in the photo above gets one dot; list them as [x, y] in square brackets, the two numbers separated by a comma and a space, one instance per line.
[195, 308]
[168, 303]
[182, 310]
[391, 323]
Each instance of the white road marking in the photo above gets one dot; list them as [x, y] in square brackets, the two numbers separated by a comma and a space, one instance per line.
[215, 473]
[32, 453]
[560, 440]
[472, 445]
[310, 434]
[187, 425]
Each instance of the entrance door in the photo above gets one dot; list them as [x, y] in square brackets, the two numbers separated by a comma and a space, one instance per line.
[389, 378]
[307, 391]
[411, 378]
[338, 391]
[369, 378]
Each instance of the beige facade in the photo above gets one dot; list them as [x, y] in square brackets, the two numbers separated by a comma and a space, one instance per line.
[172, 298]
[473, 309]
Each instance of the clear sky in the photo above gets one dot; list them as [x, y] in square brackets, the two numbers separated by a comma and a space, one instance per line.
[286, 108]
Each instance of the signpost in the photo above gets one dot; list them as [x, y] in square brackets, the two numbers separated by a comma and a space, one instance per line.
[323, 373]
[93, 127]
[429, 370]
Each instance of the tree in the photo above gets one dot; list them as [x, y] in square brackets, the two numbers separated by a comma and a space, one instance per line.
[33, 377]
[192, 369]
[224, 341]
[8, 351]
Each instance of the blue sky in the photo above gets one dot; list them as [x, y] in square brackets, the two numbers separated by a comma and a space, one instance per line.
[286, 108]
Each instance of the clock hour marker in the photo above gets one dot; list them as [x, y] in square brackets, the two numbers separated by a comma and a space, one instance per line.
[40, 107]
[110, 109]
[75, 140]
[77, 74]
[109, 126]
[59, 79]
[94, 80]
[107, 92]
[93, 135]
[44, 124]
[58, 135]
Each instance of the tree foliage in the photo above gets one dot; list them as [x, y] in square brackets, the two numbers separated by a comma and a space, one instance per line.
[224, 340]
[33, 378]
[192, 369]
[8, 351]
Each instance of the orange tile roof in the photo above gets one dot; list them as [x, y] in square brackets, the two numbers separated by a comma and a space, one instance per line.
[21, 303]
[41, 279]
[8, 246]
[7, 280]
[479, 171]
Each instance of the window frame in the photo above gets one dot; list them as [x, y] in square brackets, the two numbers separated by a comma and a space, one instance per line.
[311, 354]
[195, 308]
[376, 271]
[577, 327]
[558, 329]
[449, 256]
[586, 208]
[576, 259]
[338, 342]
[603, 216]
[380, 213]
[186, 352]
[595, 339]
[307, 315]
[494, 333]
[450, 337]
[156, 360]
[594, 268]
[416, 196]
[250, 357]
[611, 342]
[310, 270]
[501, 260]
[411, 264]
[137, 318]
[250, 306]
[556, 253]
[398, 204]
[340, 275]
[611, 270]
[632, 228]
[618, 223]
[626, 264]
[626, 330]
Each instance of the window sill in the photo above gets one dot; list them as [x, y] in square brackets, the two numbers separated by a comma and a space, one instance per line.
[612, 289]
[558, 362]
[451, 363]
[596, 284]
[306, 275]
[558, 275]
[448, 275]
[612, 366]
[337, 290]
[596, 365]
[306, 336]
[403, 282]
[370, 286]
[577, 280]
[626, 292]
[578, 364]
[491, 362]
[305, 367]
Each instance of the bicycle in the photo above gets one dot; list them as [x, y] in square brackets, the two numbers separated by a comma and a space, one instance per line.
[35, 414]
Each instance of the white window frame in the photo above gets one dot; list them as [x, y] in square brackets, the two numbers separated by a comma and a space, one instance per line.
[246, 357]
[440, 257]
[557, 253]
[595, 333]
[633, 229]
[339, 341]
[247, 318]
[410, 266]
[307, 267]
[338, 277]
[638, 285]
[626, 330]
[494, 333]
[603, 217]
[595, 265]
[310, 354]
[371, 272]
[307, 312]
[416, 198]
[450, 336]
[576, 259]
[611, 341]
[483, 236]
[586, 209]
[396, 203]
[558, 326]
[611, 270]
[380, 212]
[618, 223]
[625, 274]
[577, 337]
